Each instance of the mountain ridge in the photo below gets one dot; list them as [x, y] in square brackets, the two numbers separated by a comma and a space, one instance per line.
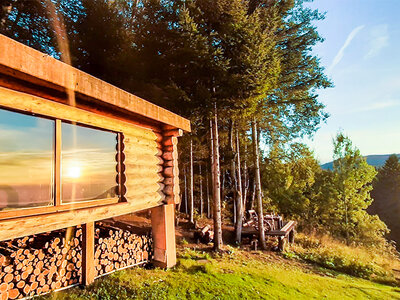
[375, 160]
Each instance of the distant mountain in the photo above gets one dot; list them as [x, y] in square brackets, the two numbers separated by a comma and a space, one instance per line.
[373, 160]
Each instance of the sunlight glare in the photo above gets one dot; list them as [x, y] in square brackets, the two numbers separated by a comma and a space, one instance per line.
[74, 172]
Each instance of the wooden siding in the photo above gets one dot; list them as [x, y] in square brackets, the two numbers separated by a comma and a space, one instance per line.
[141, 160]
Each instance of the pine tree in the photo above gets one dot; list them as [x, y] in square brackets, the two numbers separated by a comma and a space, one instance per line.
[386, 195]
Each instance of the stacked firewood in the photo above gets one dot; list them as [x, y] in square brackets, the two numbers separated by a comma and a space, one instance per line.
[204, 235]
[36, 264]
[119, 247]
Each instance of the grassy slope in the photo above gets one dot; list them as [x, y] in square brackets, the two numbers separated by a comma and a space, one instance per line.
[239, 275]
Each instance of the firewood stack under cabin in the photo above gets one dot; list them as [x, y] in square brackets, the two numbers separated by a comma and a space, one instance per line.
[38, 264]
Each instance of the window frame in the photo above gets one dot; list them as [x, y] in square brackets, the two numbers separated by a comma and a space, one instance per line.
[57, 205]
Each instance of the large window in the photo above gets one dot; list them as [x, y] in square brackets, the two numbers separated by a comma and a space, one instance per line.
[88, 163]
[51, 164]
[26, 161]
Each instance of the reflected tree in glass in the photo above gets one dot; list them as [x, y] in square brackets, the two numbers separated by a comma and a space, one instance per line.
[26, 160]
[88, 163]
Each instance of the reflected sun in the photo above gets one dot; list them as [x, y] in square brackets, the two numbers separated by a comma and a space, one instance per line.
[74, 172]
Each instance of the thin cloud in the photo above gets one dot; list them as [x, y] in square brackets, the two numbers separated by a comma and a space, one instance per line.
[380, 105]
[340, 54]
[379, 39]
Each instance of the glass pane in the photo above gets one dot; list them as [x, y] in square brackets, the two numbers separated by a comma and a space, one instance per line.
[26, 160]
[88, 163]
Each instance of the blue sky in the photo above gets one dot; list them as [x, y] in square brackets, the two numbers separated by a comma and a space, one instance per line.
[361, 53]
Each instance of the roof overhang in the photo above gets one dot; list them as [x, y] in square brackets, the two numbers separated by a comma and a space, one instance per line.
[30, 65]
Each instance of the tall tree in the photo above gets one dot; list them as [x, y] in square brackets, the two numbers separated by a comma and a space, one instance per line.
[239, 196]
[353, 181]
[216, 187]
[386, 195]
[260, 211]
[191, 190]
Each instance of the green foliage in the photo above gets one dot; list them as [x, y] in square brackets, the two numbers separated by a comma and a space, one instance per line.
[333, 202]
[292, 109]
[30, 22]
[352, 180]
[288, 179]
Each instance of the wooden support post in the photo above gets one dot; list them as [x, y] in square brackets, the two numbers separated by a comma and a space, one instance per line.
[291, 236]
[163, 227]
[281, 243]
[88, 271]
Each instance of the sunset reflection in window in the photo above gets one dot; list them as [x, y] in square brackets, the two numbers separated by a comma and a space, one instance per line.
[88, 163]
[26, 160]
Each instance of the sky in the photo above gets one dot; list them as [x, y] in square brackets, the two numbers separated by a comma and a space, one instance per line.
[361, 54]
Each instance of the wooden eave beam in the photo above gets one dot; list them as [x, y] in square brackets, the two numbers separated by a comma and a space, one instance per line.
[31, 65]
[24, 226]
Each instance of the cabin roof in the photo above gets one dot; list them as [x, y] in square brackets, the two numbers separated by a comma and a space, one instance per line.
[36, 67]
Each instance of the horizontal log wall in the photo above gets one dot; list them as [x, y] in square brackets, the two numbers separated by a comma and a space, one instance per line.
[143, 165]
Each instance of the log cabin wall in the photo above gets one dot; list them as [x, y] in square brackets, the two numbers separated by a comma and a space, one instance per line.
[147, 169]
[36, 83]
[141, 162]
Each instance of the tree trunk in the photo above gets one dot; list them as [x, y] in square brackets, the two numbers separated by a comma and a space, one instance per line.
[186, 194]
[201, 192]
[212, 162]
[216, 187]
[208, 196]
[180, 202]
[191, 203]
[223, 185]
[253, 195]
[245, 178]
[258, 186]
[239, 201]
[234, 184]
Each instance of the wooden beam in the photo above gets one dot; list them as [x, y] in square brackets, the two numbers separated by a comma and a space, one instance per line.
[88, 271]
[17, 213]
[32, 104]
[23, 226]
[33, 66]
[57, 166]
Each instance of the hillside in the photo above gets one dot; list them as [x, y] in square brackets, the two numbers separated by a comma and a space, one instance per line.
[234, 275]
[373, 160]
[312, 268]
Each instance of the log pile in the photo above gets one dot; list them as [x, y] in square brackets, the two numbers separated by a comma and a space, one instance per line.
[119, 247]
[204, 235]
[38, 264]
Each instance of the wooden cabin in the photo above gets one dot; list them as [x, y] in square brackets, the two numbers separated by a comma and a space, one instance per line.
[75, 150]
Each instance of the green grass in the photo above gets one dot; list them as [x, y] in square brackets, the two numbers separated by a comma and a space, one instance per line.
[373, 264]
[237, 275]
